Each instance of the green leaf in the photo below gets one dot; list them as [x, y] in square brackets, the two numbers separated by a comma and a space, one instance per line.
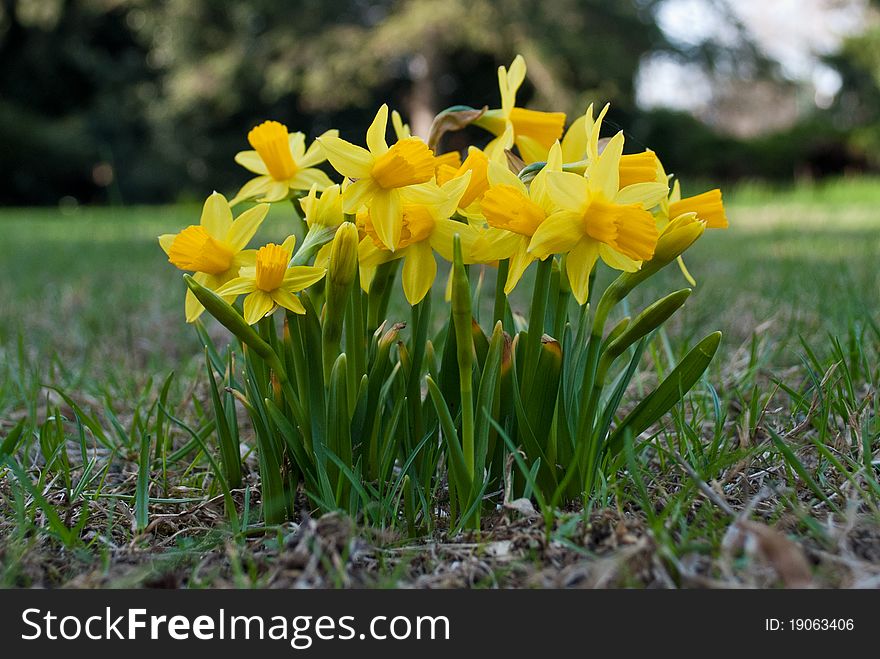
[486, 393]
[682, 378]
[9, 444]
[229, 451]
[339, 425]
[457, 465]
[142, 488]
[226, 314]
[650, 319]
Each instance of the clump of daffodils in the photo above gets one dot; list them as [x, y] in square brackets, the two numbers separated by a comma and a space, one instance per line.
[397, 406]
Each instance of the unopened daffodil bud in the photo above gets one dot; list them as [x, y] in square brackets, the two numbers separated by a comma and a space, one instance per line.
[343, 256]
[341, 273]
[676, 238]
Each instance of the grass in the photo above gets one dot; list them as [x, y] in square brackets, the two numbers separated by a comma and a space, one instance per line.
[768, 475]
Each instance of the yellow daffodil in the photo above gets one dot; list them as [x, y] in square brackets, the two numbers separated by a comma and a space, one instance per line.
[426, 228]
[477, 164]
[379, 173]
[271, 283]
[514, 212]
[534, 131]
[214, 249]
[598, 219]
[282, 163]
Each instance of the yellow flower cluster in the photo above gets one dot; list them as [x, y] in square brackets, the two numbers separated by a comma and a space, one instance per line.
[570, 194]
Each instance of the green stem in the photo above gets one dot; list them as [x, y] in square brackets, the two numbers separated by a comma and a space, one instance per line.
[354, 343]
[536, 322]
[421, 314]
[464, 340]
[500, 310]
[380, 291]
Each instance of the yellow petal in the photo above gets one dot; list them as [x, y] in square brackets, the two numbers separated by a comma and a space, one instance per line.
[579, 263]
[216, 216]
[300, 277]
[419, 271]
[424, 194]
[358, 194]
[252, 162]
[604, 174]
[348, 159]
[594, 128]
[370, 254]
[386, 213]
[304, 179]
[647, 195]
[574, 144]
[617, 260]
[245, 258]
[237, 286]
[165, 241]
[557, 234]
[245, 226]
[376, 132]
[520, 259]
[276, 191]
[315, 154]
[287, 300]
[443, 239]
[496, 244]
[530, 149]
[191, 305]
[297, 142]
[568, 191]
[254, 188]
[401, 130]
[192, 308]
[500, 174]
[257, 305]
[509, 82]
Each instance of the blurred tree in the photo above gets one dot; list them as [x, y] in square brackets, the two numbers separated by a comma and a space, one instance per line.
[857, 107]
[148, 100]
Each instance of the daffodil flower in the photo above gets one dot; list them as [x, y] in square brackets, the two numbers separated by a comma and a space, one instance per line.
[598, 219]
[426, 228]
[282, 163]
[214, 249]
[534, 131]
[514, 212]
[379, 173]
[271, 283]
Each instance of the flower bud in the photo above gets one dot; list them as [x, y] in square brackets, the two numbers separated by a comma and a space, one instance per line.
[676, 238]
[344, 256]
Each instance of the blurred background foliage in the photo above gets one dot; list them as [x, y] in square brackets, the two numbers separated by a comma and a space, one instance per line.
[146, 101]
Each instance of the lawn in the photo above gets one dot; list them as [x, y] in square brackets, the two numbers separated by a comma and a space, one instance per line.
[767, 476]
